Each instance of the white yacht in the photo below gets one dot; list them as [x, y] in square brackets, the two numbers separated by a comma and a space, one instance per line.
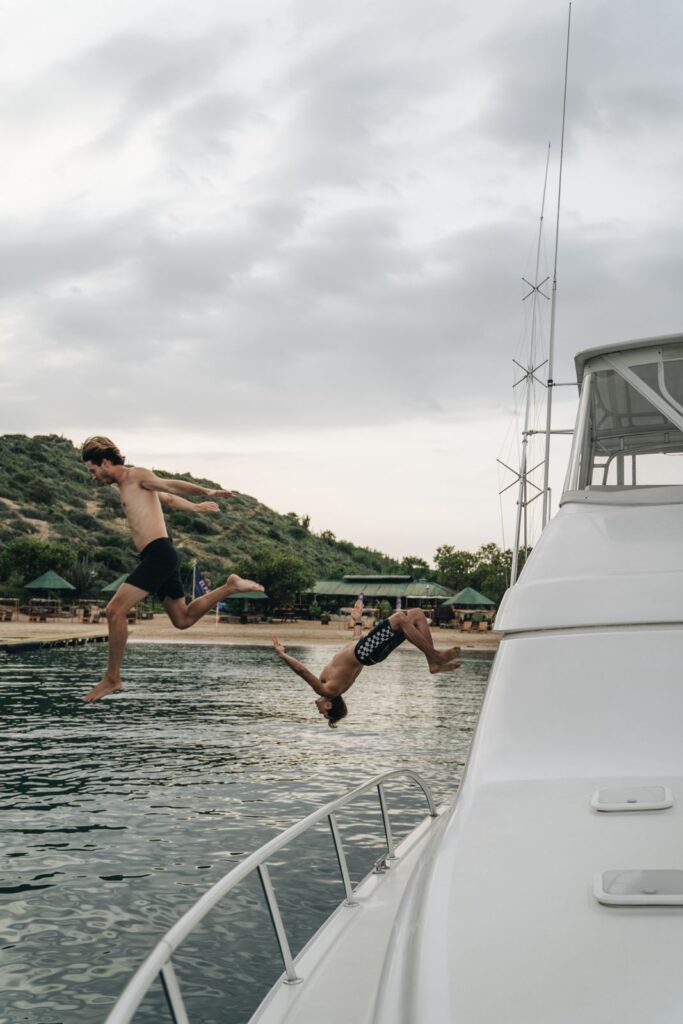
[551, 891]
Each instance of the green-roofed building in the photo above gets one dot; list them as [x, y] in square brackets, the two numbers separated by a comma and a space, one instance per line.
[381, 588]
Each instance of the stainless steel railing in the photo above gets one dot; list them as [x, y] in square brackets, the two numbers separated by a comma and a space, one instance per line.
[159, 962]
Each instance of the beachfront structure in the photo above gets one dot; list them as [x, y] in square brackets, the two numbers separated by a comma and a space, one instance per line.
[411, 593]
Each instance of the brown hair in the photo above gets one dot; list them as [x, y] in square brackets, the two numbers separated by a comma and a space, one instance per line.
[97, 449]
[338, 711]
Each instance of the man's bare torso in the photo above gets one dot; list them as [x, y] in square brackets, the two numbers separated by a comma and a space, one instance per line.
[342, 671]
[142, 508]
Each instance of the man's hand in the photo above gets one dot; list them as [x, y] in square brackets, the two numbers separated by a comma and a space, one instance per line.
[218, 493]
[206, 506]
[279, 648]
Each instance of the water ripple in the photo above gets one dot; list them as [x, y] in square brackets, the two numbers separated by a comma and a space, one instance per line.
[115, 817]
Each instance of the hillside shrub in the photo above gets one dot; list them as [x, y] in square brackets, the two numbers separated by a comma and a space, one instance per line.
[36, 513]
[84, 519]
[40, 492]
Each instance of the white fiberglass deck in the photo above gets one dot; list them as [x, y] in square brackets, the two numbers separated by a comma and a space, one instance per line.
[522, 937]
[342, 965]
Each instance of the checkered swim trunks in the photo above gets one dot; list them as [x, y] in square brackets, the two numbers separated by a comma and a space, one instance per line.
[378, 644]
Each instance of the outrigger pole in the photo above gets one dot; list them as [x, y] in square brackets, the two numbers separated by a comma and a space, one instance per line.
[529, 377]
[550, 381]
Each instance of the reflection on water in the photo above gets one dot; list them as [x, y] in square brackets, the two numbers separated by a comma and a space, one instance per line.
[117, 816]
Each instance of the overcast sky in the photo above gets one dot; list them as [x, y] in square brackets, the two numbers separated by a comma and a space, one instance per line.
[281, 244]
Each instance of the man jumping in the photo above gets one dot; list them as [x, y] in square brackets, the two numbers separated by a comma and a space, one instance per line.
[347, 664]
[142, 496]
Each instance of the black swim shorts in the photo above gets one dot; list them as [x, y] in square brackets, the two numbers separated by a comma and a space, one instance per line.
[378, 644]
[157, 572]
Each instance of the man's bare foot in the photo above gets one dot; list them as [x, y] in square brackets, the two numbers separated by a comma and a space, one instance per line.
[239, 586]
[444, 666]
[103, 689]
[450, 654]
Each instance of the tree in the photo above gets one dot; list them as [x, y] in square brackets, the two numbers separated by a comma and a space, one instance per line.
[283, 575]
[82, 574]
[416, 567]
[454, 568]
[27, 557]
[491, 575]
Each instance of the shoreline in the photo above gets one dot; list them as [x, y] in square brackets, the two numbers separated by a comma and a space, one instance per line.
[207, 632]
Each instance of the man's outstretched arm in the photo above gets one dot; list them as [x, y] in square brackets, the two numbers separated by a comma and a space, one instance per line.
[173, 501]
[149, 481]
[300, 669]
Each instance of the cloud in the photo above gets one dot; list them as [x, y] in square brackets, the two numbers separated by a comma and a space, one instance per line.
[321, 215]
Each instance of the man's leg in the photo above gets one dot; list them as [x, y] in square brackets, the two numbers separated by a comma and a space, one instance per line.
[185, 615]
[125, 598]
[414, 624]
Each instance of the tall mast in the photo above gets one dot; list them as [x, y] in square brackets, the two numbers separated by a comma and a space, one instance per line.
[550, 382]
[522, 499]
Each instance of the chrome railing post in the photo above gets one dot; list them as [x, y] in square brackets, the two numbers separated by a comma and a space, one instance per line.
[276, 917]
[174, 999]
[158, 962]
[391, 854]
[341, 857]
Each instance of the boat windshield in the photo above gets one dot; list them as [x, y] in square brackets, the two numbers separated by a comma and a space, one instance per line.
[629, 430]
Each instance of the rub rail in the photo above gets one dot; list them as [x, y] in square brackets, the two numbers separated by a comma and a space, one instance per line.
[159, 963]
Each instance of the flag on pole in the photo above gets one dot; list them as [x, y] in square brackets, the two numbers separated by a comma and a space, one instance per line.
[200, 587]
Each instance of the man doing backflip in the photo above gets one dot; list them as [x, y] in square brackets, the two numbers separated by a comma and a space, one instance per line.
[347, 664]
[142, 496]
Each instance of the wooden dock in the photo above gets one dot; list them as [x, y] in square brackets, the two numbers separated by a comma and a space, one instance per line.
[24, 640]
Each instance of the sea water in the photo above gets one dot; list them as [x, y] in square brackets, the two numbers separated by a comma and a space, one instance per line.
[115, 817]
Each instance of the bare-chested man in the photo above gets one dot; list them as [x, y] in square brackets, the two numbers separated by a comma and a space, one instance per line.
[142, 496]
[347, 664]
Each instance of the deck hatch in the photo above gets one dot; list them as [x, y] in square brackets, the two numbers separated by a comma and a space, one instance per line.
[632, 798]
[640, 888]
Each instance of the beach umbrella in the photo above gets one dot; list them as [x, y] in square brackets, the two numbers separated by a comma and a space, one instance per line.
[469, 598]
[250, 595]
[49, 581]
[111, 587]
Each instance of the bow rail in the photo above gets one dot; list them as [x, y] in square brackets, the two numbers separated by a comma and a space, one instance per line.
[159, 962]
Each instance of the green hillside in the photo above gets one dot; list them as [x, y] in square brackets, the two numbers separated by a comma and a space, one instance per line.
[46, 494]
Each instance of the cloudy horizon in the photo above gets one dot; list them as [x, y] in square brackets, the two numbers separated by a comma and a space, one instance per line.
[283, 247]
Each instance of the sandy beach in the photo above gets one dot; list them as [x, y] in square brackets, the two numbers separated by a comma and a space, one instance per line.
[160, 630]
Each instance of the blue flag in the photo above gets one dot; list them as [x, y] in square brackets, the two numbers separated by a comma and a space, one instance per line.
[201, 587]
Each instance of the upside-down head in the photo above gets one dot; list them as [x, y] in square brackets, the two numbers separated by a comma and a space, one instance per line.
[333, 708]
